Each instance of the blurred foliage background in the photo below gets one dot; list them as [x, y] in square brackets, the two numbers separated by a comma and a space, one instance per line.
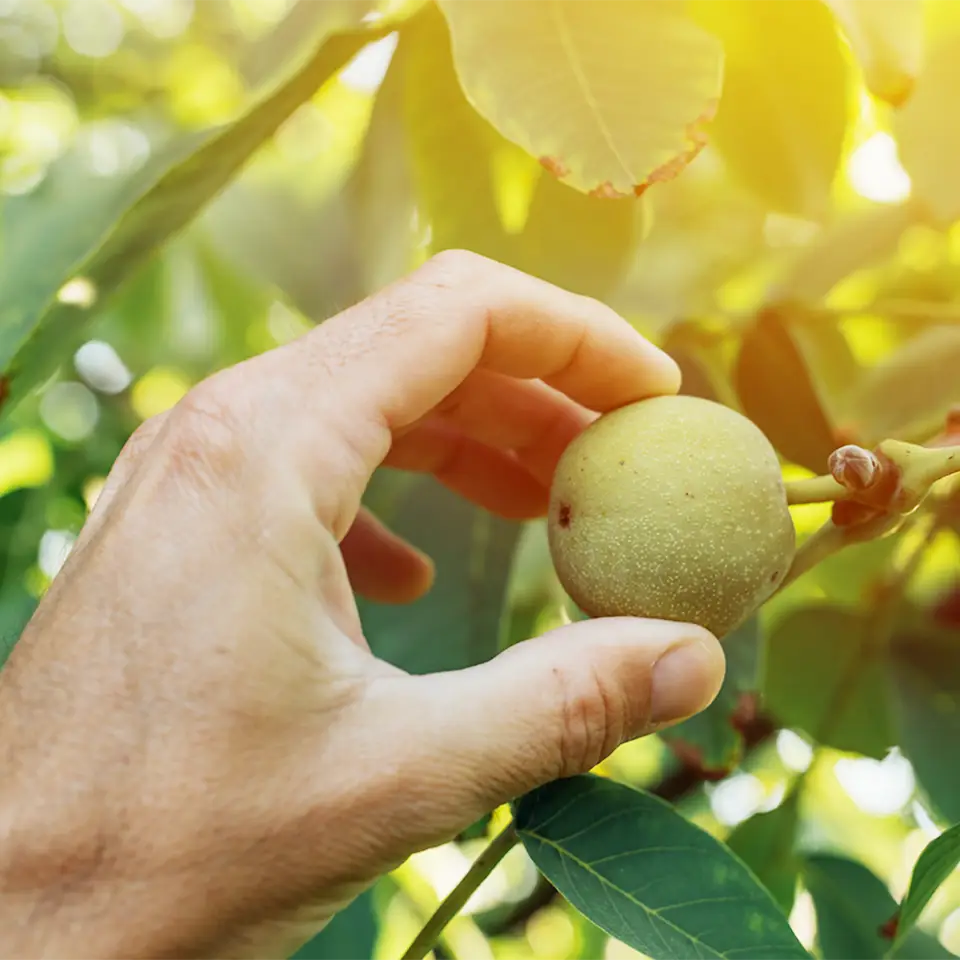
[804, 267]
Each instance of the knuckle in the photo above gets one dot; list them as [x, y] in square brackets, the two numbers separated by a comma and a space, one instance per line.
[450, 267]
[591, 720]
[205, 438]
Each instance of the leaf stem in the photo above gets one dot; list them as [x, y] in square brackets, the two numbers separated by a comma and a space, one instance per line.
[482, 867]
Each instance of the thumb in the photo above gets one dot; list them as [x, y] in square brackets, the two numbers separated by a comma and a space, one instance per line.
[557, 705]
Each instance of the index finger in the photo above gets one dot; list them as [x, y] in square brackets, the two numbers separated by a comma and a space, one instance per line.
[395, 356]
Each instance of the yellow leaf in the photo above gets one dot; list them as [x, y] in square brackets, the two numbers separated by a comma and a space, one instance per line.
[451, 146]
[887, 38]
[782, 120]
[610, 95]
[584, 244]
[928, 130]
[26, 460]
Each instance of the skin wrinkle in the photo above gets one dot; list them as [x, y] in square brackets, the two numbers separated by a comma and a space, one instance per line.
[192, 724]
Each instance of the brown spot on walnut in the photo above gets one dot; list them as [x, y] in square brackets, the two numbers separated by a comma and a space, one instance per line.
[557, 167]
[563, 517]
[889, 929]
[4, 390]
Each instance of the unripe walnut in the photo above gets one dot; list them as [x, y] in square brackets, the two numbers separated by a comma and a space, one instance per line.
[671, 508]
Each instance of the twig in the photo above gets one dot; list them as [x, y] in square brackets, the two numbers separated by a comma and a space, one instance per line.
[482, 867]
[815, 490]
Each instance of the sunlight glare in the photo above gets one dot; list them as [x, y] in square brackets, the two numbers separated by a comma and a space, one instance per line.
[875, 171]
[365, 72]
[878, 787]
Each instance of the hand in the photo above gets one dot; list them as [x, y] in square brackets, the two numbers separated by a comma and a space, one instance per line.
[200, 755]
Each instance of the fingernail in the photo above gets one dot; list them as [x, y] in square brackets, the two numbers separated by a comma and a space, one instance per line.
[685, 680]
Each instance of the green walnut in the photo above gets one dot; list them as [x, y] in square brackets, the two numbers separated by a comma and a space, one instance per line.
[672, 508]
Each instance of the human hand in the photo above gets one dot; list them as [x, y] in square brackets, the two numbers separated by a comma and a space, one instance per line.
[200, 755]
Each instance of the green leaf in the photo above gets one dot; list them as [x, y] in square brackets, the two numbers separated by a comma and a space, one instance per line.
[700, 349]
[107, 232]
[826, 353]
[782, 120]
[887, 39]
[927, 131]
[307, 24]
[939, 859]
[457, 623]
[612, 95]
[854, 908]
[765, 843]
[381, 189]
[778, 393]
[350, 935]
[637, 869]
[584, 244]
[824, 676]
[862, 238]
[711, 737]
[914, 384]
[261, 227]
[451, 146]
[925, 674]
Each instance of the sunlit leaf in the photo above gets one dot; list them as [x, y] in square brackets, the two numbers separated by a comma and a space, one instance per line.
[261, 227]
[782, 120]
[103, 236]
[827, 356]
[887, 38]
[381, 188]
[854, 910]
[457, 623]
[699, 351]
[580, 243]
[350, 935]
[307, 24]
[710, 739]
[917, 383]
[937, 862]
[824, 676]
[452, 146]
[778, 392]
[637, 869]
[765, 843]
[925, 673]
[859, 239]
[612, 95]
[928, 130]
